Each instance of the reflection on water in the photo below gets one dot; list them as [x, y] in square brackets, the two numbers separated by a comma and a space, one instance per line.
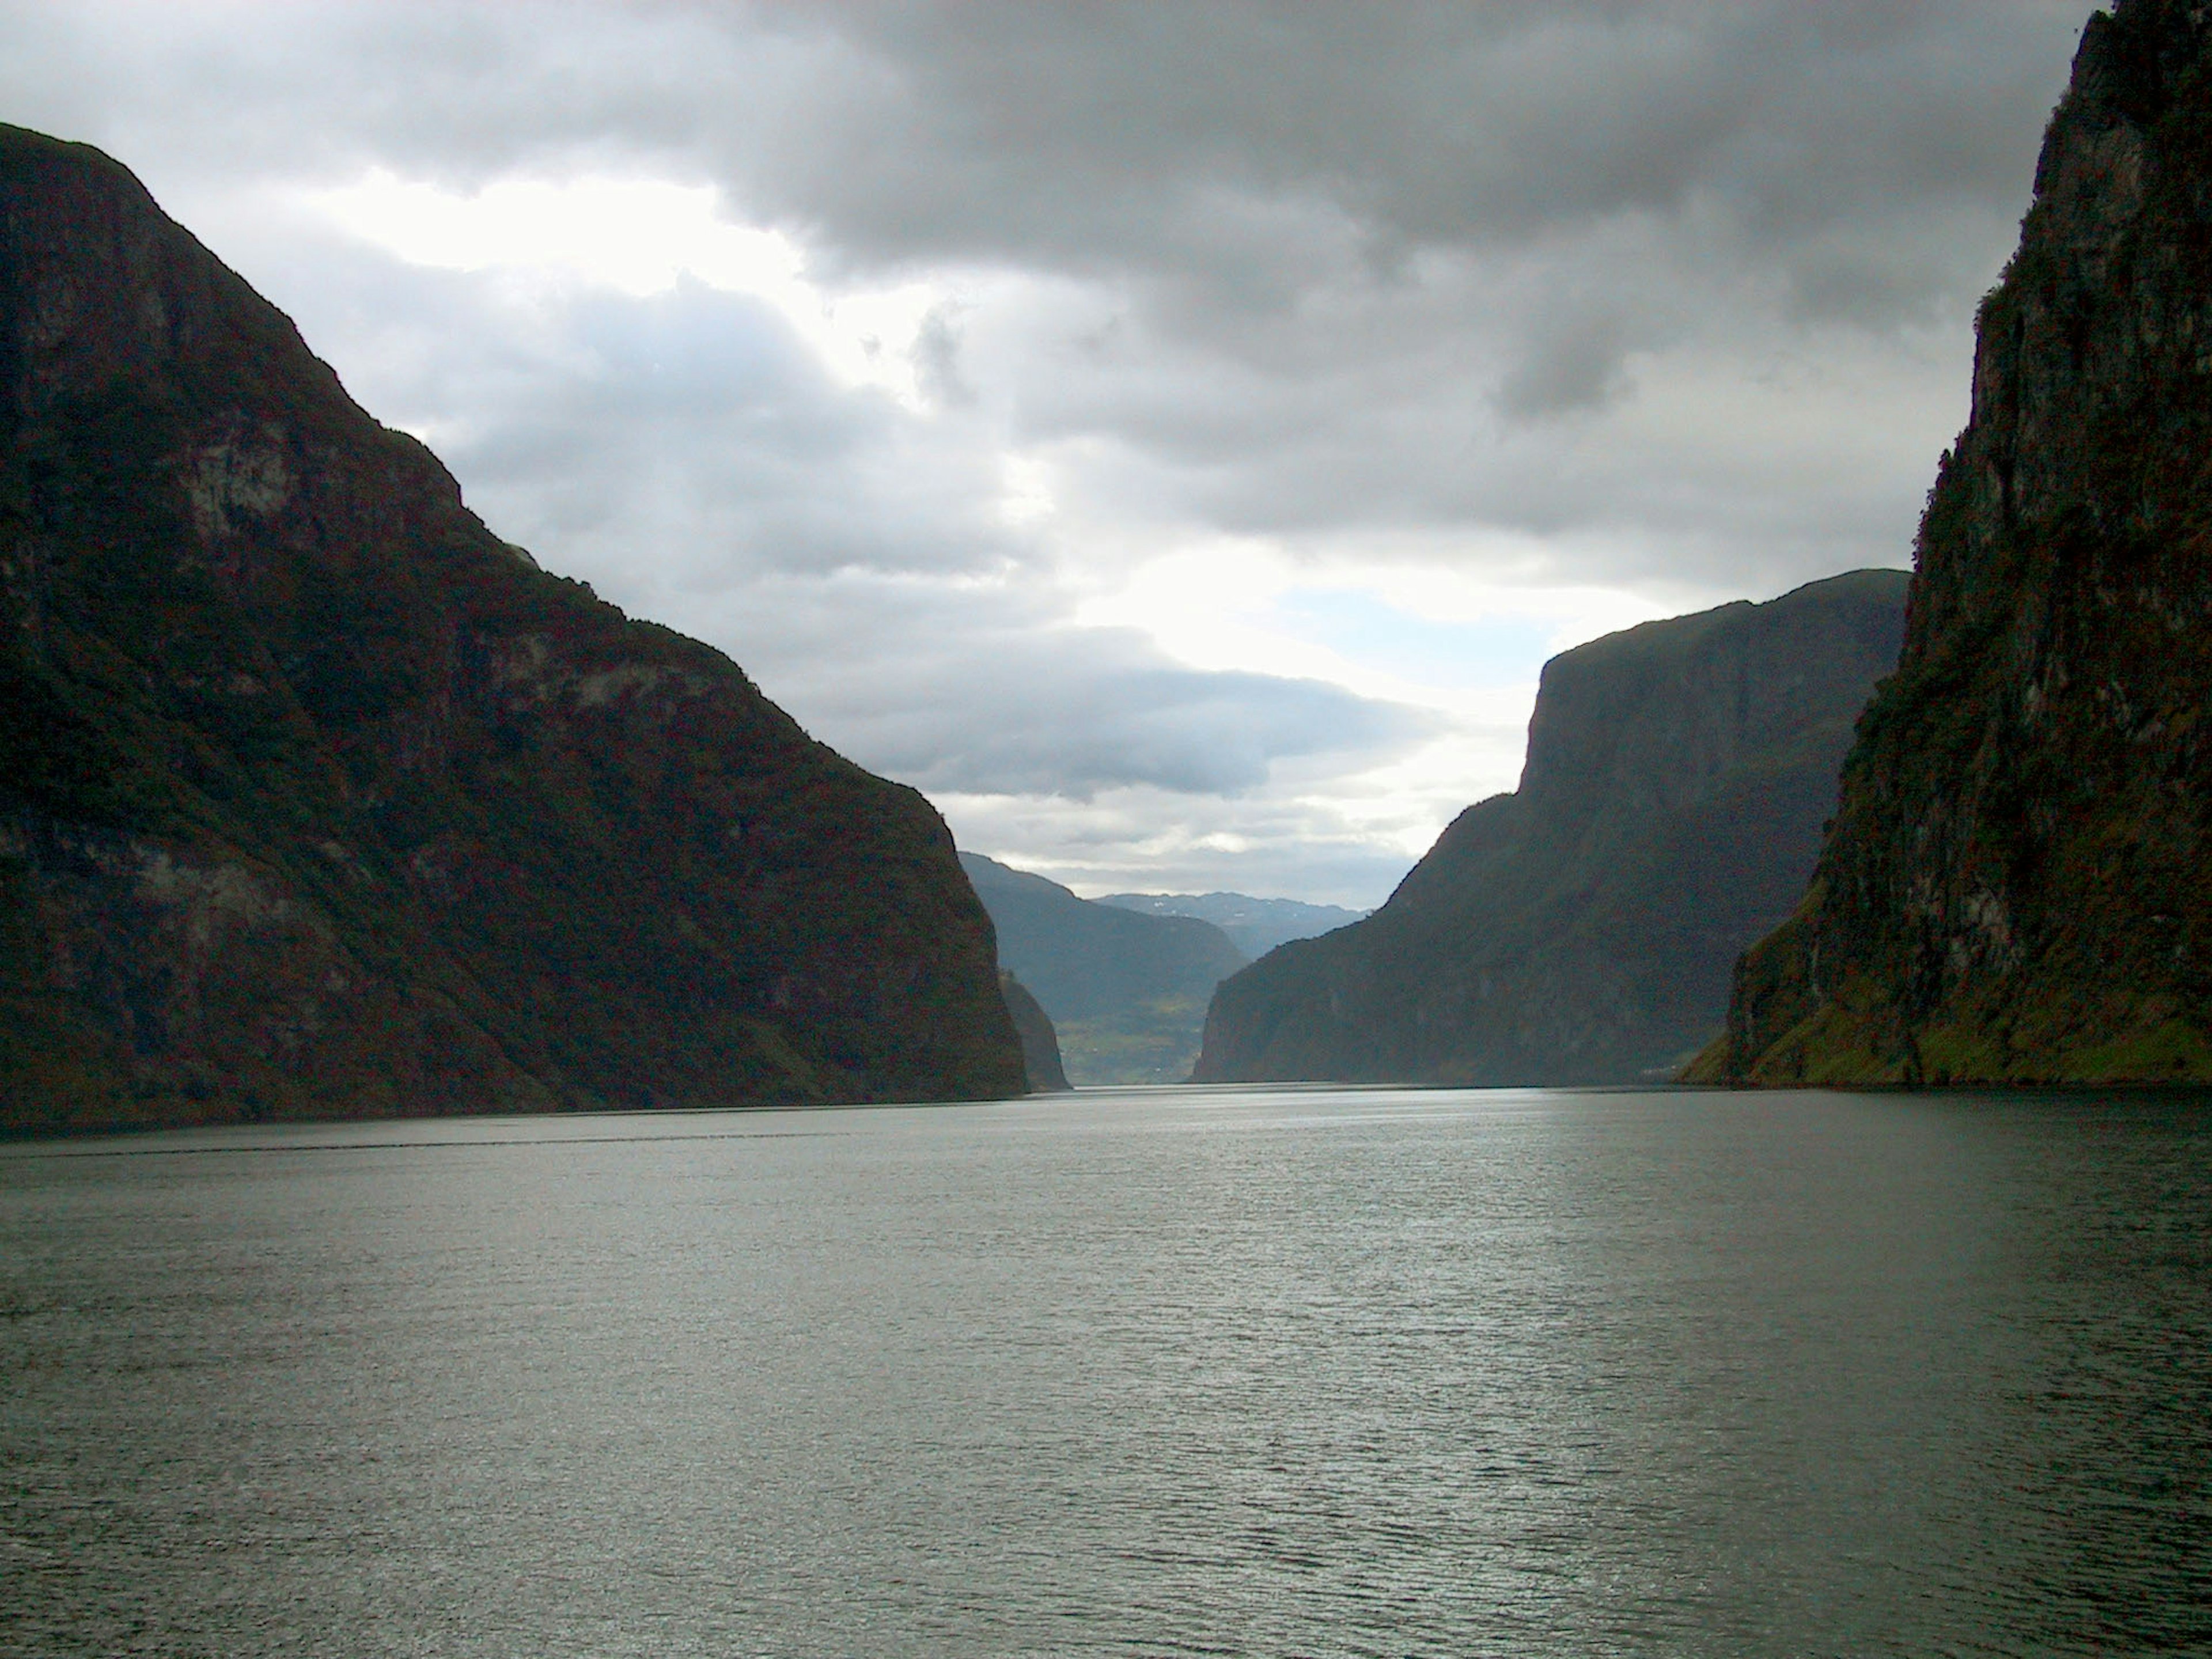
[1251, 1371]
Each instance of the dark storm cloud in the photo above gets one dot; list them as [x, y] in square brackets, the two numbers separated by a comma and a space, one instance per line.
[1142, 139]
[1031, 128]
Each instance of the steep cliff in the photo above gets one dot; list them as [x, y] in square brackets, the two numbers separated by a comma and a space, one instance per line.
[2019, 883]
[1126, 992]
[1039, 1042]
[316, 798]
[1583, 929]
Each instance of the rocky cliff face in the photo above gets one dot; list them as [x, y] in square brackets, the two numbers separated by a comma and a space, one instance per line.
[2019, 883]
[1583, 929]
[316, 798]
[1039, 1042]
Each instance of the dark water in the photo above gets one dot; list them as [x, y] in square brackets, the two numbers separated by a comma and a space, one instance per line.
[1325, 1372]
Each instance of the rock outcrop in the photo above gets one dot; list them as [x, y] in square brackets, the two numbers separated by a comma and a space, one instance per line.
[1039, 1042]
[1126, 992]
[317, 798]
[1583, 929]
[2019, 883]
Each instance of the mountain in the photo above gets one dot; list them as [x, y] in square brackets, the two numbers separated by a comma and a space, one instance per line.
[319, 799]
[2019, 883]
[1126, 992]
[1583, 929]
[1039, 1042]
[1255, 925]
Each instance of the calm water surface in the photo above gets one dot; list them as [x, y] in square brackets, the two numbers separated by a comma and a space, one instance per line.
[1182, 1371]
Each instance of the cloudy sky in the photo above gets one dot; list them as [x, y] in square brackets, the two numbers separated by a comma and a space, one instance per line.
[1170, 434]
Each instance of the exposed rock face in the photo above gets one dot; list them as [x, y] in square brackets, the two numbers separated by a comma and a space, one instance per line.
[1126, 992]
[2019, 883]
[1583, 929]
[1039, 1042]
[316, 798]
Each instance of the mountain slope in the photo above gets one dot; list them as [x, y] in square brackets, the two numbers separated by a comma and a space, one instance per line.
[1039, 1042]
[1255, 925]
[316, 798]
[1582, 928]
[1126, 992]
[2017, 884]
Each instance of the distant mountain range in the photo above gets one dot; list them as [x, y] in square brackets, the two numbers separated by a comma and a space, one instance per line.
[1255, 925]
[1126, 992]
[1583, 928]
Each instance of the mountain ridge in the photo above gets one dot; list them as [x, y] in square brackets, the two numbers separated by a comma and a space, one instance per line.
[1582, 928]
[317, 798]
[1125, 991]
[1255, 925]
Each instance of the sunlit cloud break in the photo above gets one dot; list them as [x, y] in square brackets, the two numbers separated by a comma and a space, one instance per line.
[639, 237]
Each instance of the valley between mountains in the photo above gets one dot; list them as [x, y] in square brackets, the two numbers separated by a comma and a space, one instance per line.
[317, 798]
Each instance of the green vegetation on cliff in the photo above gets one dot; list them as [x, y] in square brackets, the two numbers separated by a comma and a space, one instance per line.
[1583, 929]
[316, 798]
[2017, 886]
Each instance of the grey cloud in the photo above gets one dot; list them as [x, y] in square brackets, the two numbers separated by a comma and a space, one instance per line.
[993, 693]
[1572, 362]
[937, 361]
[1259, 184]
[1035, 722]
[1468, 274]
[1030, 129]
[681, 452]
[689, 429]
[1096, 136]
[1278, 849]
